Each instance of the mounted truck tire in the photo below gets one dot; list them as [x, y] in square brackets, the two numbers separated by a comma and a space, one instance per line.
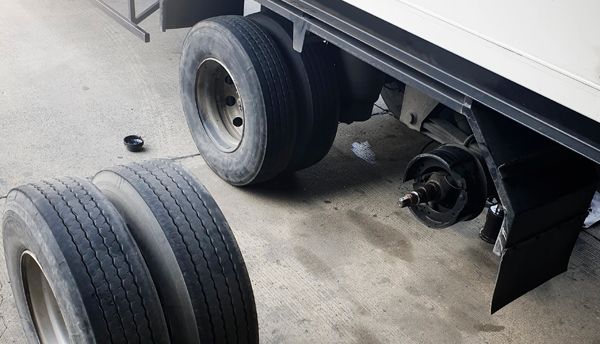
[190, 250]
[238, 99]
[315, 81]
[76, 272]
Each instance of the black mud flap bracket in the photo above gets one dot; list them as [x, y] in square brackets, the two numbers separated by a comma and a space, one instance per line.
[545, 189]
[176, 14]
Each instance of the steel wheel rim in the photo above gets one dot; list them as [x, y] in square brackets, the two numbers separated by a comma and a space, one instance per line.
[219, 105]
[41, 301]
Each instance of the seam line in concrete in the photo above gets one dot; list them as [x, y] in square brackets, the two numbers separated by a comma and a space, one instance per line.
[174, 159]
[185, 156]
[592, 235]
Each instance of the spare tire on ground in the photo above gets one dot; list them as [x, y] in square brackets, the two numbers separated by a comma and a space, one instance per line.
[75, 271]
[190, 250]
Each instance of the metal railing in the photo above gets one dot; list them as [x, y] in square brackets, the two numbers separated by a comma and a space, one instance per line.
[134, 19]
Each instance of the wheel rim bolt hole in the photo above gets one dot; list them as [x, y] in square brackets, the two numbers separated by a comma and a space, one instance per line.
[238, 121]
[230, 100]
[228, 80]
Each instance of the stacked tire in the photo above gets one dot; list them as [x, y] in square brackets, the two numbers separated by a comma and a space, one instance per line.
[142, 254]
[255, 107]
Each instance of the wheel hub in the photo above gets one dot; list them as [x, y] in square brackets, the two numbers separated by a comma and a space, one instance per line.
[449, 186]
[219, 105]
[43, 307]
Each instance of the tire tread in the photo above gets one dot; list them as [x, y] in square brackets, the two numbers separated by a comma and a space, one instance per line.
[232, 314]
[109, 273]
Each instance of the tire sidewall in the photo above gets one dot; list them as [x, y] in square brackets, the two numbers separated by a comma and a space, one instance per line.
[24, 229]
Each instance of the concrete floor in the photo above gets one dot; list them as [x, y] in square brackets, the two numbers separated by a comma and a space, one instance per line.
[331, 258]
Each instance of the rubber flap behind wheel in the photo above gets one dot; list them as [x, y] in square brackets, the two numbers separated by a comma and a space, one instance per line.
[190, 250]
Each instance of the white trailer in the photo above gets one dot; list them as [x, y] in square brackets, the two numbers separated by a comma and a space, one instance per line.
[550, 48]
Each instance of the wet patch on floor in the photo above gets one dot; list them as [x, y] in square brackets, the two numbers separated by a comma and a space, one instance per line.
[488, 328]
[387, 238]
[312, 263]
[363, 335]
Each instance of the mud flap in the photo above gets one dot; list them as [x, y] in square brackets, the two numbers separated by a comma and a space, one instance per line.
[545, 189]
[176, 14]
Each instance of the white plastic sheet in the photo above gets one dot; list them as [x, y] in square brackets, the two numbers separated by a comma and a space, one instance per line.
[594, 215]
[363, 150]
